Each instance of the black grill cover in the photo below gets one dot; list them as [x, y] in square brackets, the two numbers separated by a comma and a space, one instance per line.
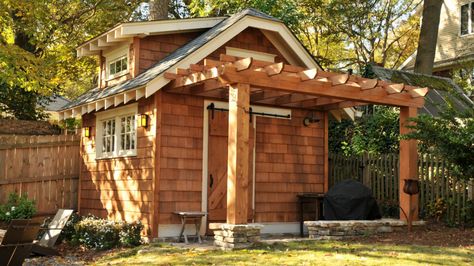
[350, 200]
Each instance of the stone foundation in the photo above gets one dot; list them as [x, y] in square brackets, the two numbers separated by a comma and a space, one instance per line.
[236, 236]
[341, 229]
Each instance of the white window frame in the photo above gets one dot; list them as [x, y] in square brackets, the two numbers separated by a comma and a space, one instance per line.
[470, 19]
[115, 114]
[114, 56]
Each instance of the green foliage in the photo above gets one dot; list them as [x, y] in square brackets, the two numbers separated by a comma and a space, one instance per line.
[449, 136]
[101, 234]
[68, 231]
[389, 208]
[437, 209]
[37, 47]
[342, 33]
[70, 123]
[376, 132]
[16, 102]
[17, 207]
[286, 10]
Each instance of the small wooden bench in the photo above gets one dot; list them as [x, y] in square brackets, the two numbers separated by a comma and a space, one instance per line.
[190, 216]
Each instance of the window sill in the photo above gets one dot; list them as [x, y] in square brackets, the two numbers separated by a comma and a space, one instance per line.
[103, 158]
[118, 75]
[467, 35]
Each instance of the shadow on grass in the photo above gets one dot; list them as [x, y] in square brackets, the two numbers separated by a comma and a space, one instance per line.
[294, 253]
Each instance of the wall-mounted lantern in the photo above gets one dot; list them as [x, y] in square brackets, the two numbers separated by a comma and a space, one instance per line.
[309, 119]
[87, 132]
[411, 187]
[144, 120]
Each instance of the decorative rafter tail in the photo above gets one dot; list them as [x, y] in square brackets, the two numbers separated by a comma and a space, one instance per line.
[339, 79]
[212, 63]
[227, 58]
[367, 84]
[274, 69]
[353, 84]
[171, 76]
[243, 64]
[394, 88]
[196, 67]
[308, 74]
[182, 71]
[418, 92]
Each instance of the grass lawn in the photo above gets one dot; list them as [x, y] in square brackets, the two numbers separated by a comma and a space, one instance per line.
[296, 253]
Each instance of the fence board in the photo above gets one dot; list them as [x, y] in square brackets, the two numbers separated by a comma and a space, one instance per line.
[45, 168]
[381, 174]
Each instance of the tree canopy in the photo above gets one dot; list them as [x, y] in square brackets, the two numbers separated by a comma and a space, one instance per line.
[37, 46]
[38, 38]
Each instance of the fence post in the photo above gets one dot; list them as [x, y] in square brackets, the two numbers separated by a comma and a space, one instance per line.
[365, 171]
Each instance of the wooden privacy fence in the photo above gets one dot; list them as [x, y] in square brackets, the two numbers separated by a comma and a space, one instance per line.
[46, 168]
[381, 174]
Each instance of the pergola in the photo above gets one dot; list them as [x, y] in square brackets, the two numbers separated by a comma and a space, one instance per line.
[244, 81]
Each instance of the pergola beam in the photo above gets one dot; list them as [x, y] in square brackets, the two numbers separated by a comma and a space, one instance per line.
[317, 88]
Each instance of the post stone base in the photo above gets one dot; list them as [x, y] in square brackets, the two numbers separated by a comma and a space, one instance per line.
[236, 236]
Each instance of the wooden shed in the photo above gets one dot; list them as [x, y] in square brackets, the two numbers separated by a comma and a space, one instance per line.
[208, 115]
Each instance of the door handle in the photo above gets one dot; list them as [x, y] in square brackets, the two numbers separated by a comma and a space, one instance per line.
[211, 181]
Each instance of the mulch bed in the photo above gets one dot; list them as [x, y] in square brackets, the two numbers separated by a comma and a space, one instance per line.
[432, 234]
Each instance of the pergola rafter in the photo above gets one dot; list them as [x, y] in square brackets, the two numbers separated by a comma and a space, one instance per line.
[243, 81]
[288, 85]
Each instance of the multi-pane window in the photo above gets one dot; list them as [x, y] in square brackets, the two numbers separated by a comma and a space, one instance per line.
[117, 132]
[108, 136]
[467, 18]
[118, 66]
[127, 133]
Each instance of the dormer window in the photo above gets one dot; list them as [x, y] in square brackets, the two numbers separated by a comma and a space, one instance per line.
[467, 19]
[118, 66]
[117, 62]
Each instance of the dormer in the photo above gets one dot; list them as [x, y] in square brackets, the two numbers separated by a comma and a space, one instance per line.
[130, 48]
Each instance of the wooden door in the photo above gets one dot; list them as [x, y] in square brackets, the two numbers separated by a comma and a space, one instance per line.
[217, 167]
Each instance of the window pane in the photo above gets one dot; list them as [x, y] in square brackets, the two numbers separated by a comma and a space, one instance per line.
[124, 64]
[464, 19]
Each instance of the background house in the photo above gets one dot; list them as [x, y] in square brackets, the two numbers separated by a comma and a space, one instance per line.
[455, 46]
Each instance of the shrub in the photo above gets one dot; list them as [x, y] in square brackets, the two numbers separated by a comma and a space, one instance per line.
[101, 234]
[17, 207]
[68, 231]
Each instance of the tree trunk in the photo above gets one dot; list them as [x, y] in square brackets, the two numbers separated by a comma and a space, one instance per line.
[428, 36]
[158, 9]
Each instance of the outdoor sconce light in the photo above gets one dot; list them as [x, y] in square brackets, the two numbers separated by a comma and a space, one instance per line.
[308, 120]
[411, 186]
[144, 120]
[87, 132]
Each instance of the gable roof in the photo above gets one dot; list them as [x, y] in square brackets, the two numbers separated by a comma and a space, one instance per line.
[124, 32]
[441, 89]
[176, 57]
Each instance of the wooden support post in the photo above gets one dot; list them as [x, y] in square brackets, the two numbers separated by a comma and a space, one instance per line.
[408, 165]
[326, 152]
[156, 126]
[238, 154]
